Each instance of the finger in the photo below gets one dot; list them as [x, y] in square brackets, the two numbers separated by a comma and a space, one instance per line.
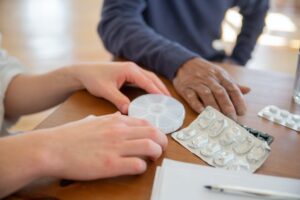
[135, 76]
[205, 94]
[191, 97]
[113, 95]
[132, 121]
[244, 89]
[236, 96]
[157, 82]
[148, 132]
[131, 166]
[141, 148]
[222, 98]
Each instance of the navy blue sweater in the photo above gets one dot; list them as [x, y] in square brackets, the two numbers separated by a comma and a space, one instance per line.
[163, 34]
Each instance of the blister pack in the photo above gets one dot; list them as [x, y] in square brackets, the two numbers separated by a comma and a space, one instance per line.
[223, 143]
[281, 116]
[164, 112]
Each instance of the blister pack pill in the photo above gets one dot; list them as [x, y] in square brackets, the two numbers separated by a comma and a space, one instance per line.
[223, 143]
[281, 116]
[163, 112]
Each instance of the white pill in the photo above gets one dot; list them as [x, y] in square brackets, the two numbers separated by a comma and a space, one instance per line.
[164, 112]
[267, 114]
[290, 123]
[296, 118]
[278, 119]
[273, 109]
[284, 113]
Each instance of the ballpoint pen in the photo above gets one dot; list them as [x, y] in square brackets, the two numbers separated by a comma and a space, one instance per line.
[245, 191]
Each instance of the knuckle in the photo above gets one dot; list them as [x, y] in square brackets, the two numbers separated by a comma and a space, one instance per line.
[206, 91]
[220, 91]
[153, 131]
[139, 166]
[130, 66]
[231, 87]
[148, 144]
[145, 122]
[118, 129]
[109, 162]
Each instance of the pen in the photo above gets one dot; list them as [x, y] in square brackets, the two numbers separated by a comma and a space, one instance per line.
[238, 190]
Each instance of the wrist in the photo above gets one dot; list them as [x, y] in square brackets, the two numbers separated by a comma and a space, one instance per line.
[41, 154]
[72, 77]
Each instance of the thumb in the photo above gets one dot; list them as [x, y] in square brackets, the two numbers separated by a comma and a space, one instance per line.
[244, 89]
[118, 99]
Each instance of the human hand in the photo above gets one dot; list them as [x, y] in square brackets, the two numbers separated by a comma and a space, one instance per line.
[106, 78]
[99, 147]
[202, 83]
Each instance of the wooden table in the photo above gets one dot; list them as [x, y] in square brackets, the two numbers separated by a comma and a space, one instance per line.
[267, 88]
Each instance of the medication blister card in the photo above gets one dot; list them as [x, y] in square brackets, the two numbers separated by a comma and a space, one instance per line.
[223, 143]
[281, 116]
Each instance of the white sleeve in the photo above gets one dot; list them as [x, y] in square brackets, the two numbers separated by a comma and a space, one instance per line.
[9, 67]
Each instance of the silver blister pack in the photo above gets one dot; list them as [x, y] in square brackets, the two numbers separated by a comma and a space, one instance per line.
[281, 116]
[221, 142]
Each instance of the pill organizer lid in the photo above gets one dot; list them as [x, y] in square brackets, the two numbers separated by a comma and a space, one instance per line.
[164, 112]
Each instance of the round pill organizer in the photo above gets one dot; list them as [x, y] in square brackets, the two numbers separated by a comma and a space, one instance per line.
[164, 112]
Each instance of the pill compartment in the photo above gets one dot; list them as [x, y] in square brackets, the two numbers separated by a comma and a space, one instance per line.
[206, 119]
[198, 141]
[296, 118]
[240, 165]
[257, 153]
[223, 158]
[163, 112]
[186, 134]
[229, 135]
[273, 109]
[210, 149]
[245, 146]
[217, 127]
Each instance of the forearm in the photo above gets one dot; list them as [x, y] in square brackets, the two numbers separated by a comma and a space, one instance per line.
[32, 93]
[253, 24]
[125, 33]
[22, 161]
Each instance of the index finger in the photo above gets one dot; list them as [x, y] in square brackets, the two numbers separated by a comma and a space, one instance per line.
[235, 95]
[135, 76]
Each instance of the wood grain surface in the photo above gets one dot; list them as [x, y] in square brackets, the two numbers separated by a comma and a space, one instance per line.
[267, 88]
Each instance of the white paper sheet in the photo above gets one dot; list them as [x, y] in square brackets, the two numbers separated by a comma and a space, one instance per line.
[178, 180]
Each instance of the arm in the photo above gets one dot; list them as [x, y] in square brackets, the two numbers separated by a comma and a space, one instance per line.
[198, 81]
[31, 93]
[254, 13]
[125, 34]
[111, 145]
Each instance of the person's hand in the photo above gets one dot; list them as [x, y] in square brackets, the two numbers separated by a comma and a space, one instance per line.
[202, 83]
[106, 78]
[99, 147]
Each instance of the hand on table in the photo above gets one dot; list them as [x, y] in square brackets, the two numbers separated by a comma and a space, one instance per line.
[99, 147]
[202, 83]
[106, 78]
